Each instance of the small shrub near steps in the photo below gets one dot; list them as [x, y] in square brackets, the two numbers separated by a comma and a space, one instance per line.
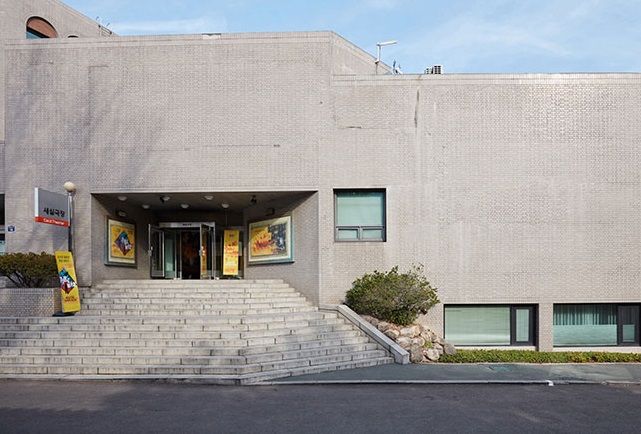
[423, 344]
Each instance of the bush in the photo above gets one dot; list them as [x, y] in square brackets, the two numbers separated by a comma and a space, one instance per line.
[520, 356]
[29, 269]
[393, 297]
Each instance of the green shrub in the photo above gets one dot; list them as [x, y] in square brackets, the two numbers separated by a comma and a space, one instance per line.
[29, 269]
[521, 356]
[392, 296]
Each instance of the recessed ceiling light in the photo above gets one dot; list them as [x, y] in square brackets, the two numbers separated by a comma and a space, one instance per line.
[208, 197]
[122, 198]
[184, 205]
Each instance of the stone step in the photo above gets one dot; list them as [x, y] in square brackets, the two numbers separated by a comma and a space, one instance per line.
[201, 319]
[208, 305]
[227, 331]
[196, 298]
[315, 356]
[274, 352]
[306, 370]
[68, 365]
[152, 327]
[169, 287]
[169, 339]
[174, 334]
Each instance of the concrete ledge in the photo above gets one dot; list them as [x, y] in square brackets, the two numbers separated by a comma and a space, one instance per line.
[401, 356]
[25, 302]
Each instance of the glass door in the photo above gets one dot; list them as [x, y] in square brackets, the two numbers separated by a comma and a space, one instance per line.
[628, 328]
[207, 250]
[156, 251]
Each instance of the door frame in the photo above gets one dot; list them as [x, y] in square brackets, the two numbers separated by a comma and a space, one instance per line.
[158, 236]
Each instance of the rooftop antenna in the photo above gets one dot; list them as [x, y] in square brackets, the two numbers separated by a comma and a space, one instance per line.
[382, 44]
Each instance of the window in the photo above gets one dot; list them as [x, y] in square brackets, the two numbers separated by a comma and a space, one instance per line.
[595, 325]
[360, 215]
[490, 325]
[37, 28]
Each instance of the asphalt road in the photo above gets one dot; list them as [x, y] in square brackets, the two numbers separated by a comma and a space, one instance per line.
[140, 407]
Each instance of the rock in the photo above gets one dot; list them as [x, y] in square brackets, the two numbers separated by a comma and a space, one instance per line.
[416, 354]
[411, 331]
[383, 326]
[432, 354]
[414, 338]
[419, 341]
[370, 319]
[449, 349]
[392, 334]
[404, 342]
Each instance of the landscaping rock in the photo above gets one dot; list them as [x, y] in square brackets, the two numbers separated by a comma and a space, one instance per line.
[432, 354]
[423, 344]
[449, 349]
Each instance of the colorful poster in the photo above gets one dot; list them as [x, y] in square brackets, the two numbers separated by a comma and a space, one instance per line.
[68, 286]
[230, 252]
[121, 239]
[271, 241]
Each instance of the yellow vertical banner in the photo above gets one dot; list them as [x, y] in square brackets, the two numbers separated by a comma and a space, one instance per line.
[68, 286]
[203, 255]
[231, 247]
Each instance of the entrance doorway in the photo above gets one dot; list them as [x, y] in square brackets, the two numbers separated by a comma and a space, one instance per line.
[187, 251]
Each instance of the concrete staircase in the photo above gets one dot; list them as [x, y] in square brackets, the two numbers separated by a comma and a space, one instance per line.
[220, 331]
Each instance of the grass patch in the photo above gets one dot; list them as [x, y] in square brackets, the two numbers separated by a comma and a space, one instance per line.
[516, 356]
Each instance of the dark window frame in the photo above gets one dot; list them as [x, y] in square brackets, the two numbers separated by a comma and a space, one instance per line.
[619, 307]
[532, 323]
[636, 316]
[359, 229]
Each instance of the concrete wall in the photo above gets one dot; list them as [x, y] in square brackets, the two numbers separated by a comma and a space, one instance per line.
[13, 19]
[304, 273]
[176, 114]
[509, 188]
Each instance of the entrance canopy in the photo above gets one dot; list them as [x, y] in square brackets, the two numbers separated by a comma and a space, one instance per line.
[167, 201]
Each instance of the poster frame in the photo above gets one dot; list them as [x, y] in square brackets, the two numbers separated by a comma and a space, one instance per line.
[284, 254]
[130, 228]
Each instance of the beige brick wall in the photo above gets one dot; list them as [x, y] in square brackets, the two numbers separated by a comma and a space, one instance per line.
[13, 18]
[508, 188]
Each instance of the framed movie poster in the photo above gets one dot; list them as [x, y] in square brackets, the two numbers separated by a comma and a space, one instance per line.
[121, 243]
[270, 241]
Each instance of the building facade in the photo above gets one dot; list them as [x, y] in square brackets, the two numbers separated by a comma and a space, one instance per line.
[520, 194]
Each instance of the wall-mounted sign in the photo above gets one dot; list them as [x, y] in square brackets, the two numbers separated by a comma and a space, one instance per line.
[51, 208]
[11, 228]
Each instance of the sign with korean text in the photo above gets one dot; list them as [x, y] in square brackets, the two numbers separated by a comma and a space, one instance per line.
[68, 286]
[230, 253]
[51, 208]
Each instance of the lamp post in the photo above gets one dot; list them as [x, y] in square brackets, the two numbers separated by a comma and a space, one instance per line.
[70, 188]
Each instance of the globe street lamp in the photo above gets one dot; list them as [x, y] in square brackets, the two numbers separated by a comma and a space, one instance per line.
[70, 188]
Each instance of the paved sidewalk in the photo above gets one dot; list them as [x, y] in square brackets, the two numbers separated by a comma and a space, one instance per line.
[483, 373]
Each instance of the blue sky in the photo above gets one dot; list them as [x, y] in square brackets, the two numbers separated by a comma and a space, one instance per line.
[465, 36]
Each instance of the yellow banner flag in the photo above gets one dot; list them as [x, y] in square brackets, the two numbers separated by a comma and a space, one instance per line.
[68, 286]
[230, 253]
